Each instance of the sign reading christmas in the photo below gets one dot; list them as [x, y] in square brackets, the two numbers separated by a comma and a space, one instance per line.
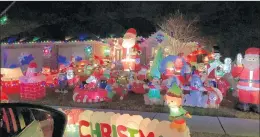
[101, 124]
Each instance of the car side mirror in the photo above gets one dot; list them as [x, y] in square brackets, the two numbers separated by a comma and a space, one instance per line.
[30, 120]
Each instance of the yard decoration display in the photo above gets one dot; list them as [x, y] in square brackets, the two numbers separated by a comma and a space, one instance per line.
[25, 58]
[199, 56]
[51, 77]
[95, 90]
[128, 64]
[137, 80]
[129, 40]
[136, 56]
[3, 97]
[173, 65]
[10, 80]
[72, 128]
[88, 69]
[32, 84]
[109, 124]
[173, 99]
[62, 83]
[247, 70]
[71, 77]
[142, 74]
[47, 51]
[154, 95]
[120, 89]
[216, 71]
[196, 98]
[86, 95]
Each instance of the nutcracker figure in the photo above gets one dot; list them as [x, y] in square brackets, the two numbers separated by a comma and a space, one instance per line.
[247, 70]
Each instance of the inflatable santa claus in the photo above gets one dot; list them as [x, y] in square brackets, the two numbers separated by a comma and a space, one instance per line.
[129, 41]
[247, 70]
[71, 77]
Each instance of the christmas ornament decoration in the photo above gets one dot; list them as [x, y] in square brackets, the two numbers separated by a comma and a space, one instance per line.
[47, 51]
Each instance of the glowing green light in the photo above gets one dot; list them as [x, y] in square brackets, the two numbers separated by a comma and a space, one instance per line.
[35, 39]
[3, 20]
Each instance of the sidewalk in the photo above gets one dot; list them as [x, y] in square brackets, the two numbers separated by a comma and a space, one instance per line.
[217, 125]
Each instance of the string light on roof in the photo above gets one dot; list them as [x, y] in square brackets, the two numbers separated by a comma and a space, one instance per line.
[32, 42]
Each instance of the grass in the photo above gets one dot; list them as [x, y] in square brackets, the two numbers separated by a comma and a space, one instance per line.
[201, 134]
[135, 102]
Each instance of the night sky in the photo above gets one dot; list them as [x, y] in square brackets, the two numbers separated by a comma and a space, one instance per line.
[231, 23]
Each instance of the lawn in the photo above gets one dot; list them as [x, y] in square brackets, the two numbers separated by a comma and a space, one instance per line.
[135, 102]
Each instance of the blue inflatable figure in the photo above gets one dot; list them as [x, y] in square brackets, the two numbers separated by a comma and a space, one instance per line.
[63, 83]
[195, 93]
[103, 84]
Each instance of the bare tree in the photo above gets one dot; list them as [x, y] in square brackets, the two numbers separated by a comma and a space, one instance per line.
[181, 30]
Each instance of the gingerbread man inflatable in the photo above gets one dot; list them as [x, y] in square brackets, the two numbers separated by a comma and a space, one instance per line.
[247, 70]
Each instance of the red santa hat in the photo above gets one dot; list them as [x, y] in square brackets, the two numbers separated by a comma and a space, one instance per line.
[32, 68]
[255, 51]
[70, 67]
[131, 31]
[32, 65]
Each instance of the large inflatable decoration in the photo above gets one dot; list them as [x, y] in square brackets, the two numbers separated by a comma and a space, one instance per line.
[10, 80]
[199, 56]
[196, 97]
[216, 72]
[3, 97]
[71, 77]
[247, 70]
[62, 83]
[154, 93]
[172, 65]
[111, 124]
[32, 84]
[173, 98]
[129, 41]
